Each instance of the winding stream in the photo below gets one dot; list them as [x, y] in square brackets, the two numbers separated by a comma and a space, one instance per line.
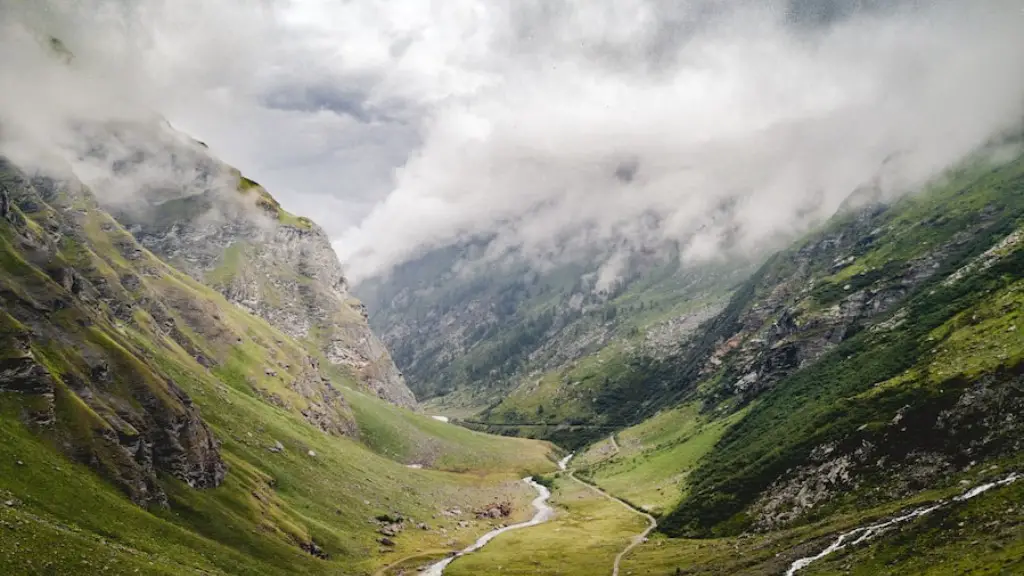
[865, 533]
[544, 513]
[852, 537]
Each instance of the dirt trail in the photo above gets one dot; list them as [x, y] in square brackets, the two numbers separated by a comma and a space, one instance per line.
[639, 538]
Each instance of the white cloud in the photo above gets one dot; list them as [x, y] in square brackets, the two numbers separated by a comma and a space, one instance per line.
[553, 125]
[780, 123]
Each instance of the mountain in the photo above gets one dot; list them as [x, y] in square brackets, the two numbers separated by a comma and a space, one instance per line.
[228, 232]
[879, 356]
[568, 356]
[469, 330]
[189, 386]
[162, 413]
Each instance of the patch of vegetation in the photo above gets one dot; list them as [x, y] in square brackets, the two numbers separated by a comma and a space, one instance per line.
[654, 459]
[246, 184]
[268, 203]
[231, 262]
[289, 219]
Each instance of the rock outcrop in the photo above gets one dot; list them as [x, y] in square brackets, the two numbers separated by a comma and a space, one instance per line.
[919, 448]
[79, 378]
[229, 233]
[792, 317]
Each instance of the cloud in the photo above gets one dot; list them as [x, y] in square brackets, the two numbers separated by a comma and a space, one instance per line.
[263, 90]
[551, 127]
[610, 119]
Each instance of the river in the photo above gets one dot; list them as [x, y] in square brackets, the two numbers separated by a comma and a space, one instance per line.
[544, 513]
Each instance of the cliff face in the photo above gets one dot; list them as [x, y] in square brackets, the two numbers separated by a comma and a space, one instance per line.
[77, 340]
[294, 281]
[227, 232]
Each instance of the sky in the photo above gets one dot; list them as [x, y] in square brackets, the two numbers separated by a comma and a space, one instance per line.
[551, 126]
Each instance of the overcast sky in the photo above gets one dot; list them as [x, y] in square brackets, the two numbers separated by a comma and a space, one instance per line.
[407, 124]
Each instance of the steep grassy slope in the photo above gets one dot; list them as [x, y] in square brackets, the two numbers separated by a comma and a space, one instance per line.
[912, 390]
[649, 464]
[123, 379]
[986, 537]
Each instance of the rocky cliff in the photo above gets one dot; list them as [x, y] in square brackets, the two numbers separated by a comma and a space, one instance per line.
[228, 232]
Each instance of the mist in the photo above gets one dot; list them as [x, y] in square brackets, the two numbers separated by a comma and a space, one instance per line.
[552, 129]
[749, 126]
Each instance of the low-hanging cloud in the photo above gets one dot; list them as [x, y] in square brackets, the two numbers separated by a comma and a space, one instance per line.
[549, 127]
[776, 121]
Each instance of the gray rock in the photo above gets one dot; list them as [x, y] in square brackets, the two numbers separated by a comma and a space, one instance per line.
[267, 282]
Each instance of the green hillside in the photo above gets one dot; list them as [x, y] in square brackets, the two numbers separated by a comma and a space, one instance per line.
[150, 426]
[918, 360]
[917, 401]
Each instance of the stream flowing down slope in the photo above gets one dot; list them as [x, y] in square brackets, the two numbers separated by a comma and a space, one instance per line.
[865, 533]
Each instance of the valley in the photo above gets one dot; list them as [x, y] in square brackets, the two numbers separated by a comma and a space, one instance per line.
[474, 289]
[854, 397]
[150, 425]
[846, 383]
